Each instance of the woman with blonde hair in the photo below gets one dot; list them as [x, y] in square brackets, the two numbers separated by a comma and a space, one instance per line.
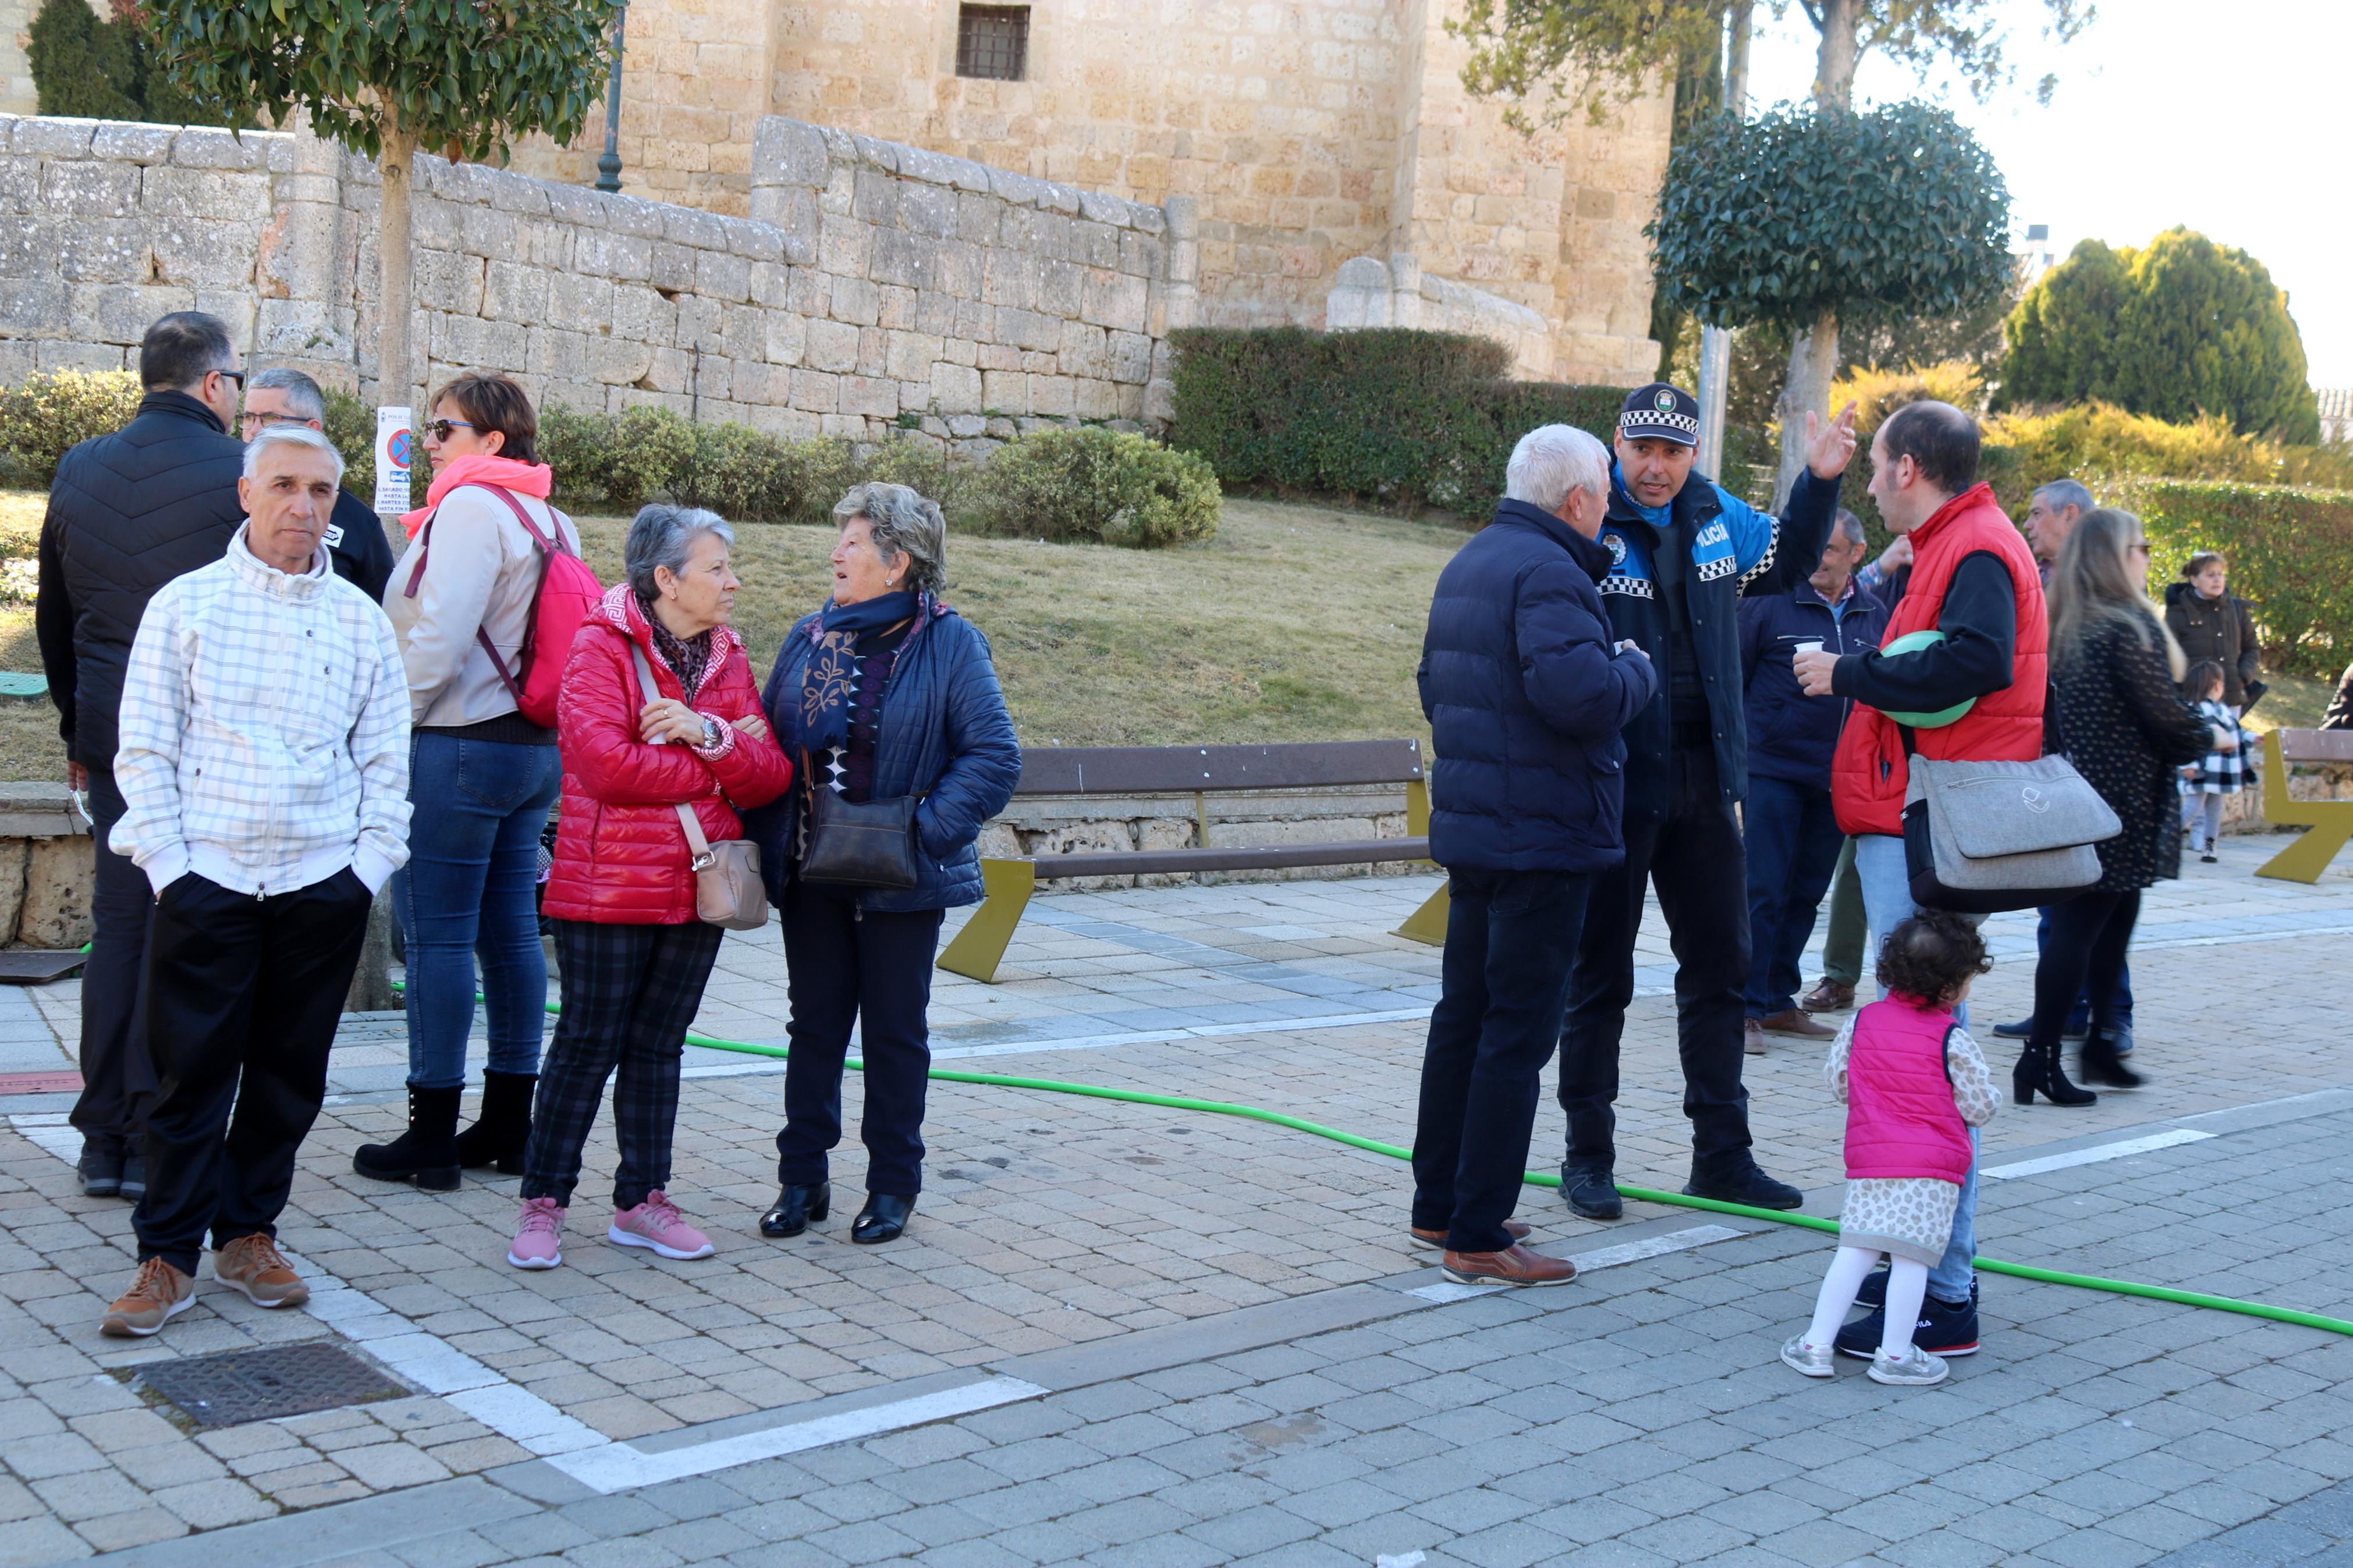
[2122, 722]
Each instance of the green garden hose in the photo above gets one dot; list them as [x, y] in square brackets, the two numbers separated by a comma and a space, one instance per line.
[1541, 1179]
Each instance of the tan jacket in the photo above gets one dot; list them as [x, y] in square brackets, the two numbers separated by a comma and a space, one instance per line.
[481, 572]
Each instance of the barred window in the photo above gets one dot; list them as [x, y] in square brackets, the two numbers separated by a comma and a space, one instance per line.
[993, 41]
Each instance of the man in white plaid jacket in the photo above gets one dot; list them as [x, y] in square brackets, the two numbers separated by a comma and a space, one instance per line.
[264, 769]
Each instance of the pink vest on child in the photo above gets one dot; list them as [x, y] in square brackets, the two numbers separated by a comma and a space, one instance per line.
[1900, 1116]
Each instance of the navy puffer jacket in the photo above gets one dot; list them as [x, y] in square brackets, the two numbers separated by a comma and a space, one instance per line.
[945, 735]
[1526, 701]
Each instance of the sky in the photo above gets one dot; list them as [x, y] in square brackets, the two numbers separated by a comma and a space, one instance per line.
[2167, 112]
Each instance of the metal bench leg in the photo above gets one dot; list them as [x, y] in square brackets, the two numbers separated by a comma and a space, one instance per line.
[1428, 923]
[981, 946]
[2308, 857]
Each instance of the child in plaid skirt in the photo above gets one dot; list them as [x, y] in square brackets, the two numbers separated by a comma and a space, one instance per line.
[2219, 773]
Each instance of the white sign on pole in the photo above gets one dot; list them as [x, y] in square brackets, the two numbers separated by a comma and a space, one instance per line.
[394, 445]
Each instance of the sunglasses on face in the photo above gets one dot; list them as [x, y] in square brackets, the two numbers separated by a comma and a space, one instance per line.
[441, 427]
[235, 375]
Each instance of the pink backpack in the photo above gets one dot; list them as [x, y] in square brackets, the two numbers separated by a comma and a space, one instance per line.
[567, 593]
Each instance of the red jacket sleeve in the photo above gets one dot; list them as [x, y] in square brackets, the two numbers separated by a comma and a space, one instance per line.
[752, 771]
[597, 725]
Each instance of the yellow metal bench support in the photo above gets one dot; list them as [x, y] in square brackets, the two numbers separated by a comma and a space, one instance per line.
[1427, 923]
[981, 946]
[2330, 822]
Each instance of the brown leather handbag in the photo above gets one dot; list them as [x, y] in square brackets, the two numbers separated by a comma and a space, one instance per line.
[855, 845]
[727, 888]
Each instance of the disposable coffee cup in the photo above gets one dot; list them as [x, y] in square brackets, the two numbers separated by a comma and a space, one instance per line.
[1813, 646]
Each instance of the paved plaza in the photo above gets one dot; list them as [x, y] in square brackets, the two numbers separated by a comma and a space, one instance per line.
[1134, 1335]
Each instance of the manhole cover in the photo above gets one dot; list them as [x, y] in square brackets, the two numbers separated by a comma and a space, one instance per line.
[237, 1386]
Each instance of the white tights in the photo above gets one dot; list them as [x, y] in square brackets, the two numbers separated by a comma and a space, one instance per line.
[1907, 1283]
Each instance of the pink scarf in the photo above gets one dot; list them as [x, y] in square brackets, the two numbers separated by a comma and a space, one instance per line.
[479, 468]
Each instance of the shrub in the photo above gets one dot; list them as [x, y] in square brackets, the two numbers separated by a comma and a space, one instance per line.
[1091, 484]
[615, 461]
[2291, 552]
[45, 413]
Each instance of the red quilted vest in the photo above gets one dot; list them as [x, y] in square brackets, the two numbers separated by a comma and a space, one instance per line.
[1900, 1116]
[1868, 775]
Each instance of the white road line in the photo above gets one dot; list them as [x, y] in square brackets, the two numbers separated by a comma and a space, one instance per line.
[1600, 1258]
[620, 1466]
[2094, 1155]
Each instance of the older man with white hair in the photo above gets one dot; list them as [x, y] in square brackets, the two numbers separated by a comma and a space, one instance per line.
[1525, 697]
[264, 766]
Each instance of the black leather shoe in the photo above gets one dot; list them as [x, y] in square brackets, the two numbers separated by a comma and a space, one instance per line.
[882, 1218]
[1743, 1185]
[1592, 1192]
[796, 1207]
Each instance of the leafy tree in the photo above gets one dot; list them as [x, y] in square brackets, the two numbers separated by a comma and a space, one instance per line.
[2179, 328]
[385, 77]
[81, 67]
[1805, 217]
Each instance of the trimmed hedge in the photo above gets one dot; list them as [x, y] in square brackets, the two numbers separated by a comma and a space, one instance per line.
[2291, 552]
[43, 415]
[1392, 417]
[1101, 486]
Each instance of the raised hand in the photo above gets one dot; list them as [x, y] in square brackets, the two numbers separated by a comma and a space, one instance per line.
[1830, 447]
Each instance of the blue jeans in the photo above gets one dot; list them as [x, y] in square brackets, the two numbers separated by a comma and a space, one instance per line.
[1887, 901]
[2080, 1020]
[470, 888]
[1793, 841]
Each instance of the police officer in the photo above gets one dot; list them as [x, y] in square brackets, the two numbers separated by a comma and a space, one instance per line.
[1683, 550]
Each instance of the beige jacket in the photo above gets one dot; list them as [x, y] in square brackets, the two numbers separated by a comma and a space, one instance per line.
[481, 572]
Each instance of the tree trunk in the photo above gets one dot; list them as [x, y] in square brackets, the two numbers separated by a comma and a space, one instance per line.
[1813, 363]
[1738, 23]
[394, 290]
[1834, 63]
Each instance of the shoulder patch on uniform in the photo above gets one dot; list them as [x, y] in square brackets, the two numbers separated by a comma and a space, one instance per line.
[1617, 542]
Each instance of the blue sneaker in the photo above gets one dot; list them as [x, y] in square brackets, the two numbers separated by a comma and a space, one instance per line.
[1945, 1329]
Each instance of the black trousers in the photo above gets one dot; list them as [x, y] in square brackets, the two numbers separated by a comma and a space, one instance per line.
[118, 1080]
[630, 993]
[243, 995]
[2083, 953]
[873, 970]
[1694, 857]
[1510, 936]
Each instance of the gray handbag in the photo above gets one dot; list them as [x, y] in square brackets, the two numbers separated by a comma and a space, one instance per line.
[727, 889]
[1984, 837]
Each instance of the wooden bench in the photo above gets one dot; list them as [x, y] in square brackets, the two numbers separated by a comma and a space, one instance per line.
[1200, 772]
[2330, 821]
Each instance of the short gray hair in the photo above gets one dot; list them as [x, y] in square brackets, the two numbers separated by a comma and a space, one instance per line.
[289, 435]
[1552, 461]
[304, 398]
[904, 525]
[2067, 492]
[1848, 527]
[664, 536]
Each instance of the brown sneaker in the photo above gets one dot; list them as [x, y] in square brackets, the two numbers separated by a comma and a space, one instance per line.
[254, 1265]
[1752, 1038]
[1798, 1023]
[1516, 1229]
[160, 1293]
[1515, 1265]
[1829, 996]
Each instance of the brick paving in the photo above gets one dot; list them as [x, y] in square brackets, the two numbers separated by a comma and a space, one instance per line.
[1638, 1416]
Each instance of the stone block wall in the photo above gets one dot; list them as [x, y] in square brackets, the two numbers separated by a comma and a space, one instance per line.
[47, 867]
[1046, 825]
[1397, 293]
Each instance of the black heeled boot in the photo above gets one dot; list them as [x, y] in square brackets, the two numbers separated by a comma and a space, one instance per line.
[882, 1219]
[2038, 1071]
[2101, 1064]
[501, 1134]
[426, 1155]
[795, 1208]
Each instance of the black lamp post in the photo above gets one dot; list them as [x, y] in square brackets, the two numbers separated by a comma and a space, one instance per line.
[608, 167]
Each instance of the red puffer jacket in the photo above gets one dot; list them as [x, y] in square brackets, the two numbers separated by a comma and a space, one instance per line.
[621, 856]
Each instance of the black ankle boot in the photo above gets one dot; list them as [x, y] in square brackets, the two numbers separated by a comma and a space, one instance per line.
[796, 1208]
[503, 1133]
[882, 1219]
[2103, 1065]
[2039, 1072]
[426, 1153]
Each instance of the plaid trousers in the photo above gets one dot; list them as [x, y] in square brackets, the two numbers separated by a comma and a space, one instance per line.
[629, 994]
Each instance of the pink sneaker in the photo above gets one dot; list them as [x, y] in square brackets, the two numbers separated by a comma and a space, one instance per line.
[656, 1224]
[539, 1236]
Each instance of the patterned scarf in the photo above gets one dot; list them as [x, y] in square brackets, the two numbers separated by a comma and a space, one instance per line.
[833, 666]
[688, 658]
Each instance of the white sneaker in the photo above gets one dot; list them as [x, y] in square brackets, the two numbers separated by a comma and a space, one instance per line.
[1814, 1360]
[1915, 1368]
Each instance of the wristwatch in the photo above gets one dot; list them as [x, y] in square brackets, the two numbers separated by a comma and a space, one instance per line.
[711, 733]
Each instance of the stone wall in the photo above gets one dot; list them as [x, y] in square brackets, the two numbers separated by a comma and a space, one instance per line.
[1048, 825]
[875, 287]
[1397, 293]
[47, 866]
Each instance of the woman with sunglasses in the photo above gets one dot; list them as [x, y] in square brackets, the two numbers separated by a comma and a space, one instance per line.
[483, 777]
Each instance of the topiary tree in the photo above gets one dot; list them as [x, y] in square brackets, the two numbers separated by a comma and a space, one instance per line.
[81, 67]
[385, 77]
[1806, 217]
[2178, 328]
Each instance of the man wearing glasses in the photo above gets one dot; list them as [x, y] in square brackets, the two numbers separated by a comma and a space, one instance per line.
[355, 538]
[128, 513]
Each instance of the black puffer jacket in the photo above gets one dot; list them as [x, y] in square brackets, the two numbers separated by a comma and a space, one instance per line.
[2123, 724]
[2220, 629]
[128, 513]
